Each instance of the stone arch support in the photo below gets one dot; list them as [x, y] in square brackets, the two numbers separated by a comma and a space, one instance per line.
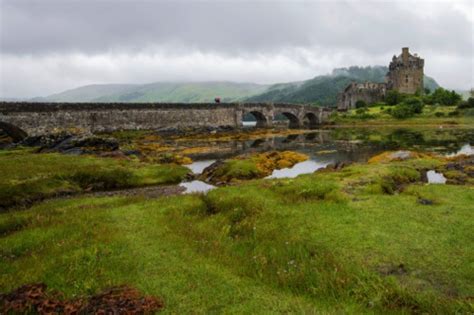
[14, 132]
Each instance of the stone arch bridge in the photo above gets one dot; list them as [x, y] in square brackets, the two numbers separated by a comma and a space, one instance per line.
[33, 118]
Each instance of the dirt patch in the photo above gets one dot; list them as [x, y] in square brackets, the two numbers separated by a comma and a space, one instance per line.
[148, 192]
[33, 298]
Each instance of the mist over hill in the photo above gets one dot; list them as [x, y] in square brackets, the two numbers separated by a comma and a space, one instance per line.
[321, 90]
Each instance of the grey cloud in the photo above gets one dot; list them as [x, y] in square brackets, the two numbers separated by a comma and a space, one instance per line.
[68, 43]
[32, 27]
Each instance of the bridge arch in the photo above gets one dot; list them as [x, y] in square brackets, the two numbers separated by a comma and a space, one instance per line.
[262, 121]
[310, 120]
[293, 120]
[14, 132]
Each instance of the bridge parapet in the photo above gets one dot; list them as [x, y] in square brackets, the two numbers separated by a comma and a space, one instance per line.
[40, 118]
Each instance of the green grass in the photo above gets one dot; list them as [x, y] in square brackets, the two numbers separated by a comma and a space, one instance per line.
[378, 116]
[26, 177]
[319, 243]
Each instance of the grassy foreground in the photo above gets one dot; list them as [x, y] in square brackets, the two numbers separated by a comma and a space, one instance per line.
[353, 241]
[26, 177]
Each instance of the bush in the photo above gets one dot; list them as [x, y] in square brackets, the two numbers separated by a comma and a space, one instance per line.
[415, 103]
[97, 179]
[402, 111]
[443, 97]
[361, 111]
[360, 104]
[439, 114]
[454, 113]
[466, 104]
[394, 97]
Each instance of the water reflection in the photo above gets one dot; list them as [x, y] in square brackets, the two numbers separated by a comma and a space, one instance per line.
[198, 166]
[196, 186]
[465, 150]
[305, 167]
[435, 177]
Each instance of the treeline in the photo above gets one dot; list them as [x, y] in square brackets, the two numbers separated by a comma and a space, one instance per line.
[404, 106]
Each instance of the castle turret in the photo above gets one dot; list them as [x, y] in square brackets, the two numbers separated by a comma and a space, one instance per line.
[406, 73]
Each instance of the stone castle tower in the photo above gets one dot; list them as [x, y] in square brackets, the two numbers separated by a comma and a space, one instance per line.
[406, 73]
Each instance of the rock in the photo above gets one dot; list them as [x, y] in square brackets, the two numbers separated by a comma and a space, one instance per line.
[46, 141]
[71, 144]
[425, 201]
[391, 156]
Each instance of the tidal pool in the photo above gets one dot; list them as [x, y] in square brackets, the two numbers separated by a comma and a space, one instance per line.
[305, 167]
[198, 166]
[435, 177]
[196, 186]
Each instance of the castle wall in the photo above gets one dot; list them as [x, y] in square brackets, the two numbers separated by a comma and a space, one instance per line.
[367, 92]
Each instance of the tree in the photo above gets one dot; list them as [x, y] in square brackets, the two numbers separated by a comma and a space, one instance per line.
[415, 103]
[360, 104]
[402, 111]
[445, 97]
[393, 97]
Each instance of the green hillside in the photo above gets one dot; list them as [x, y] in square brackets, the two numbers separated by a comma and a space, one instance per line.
[192, 92]
[323, 90]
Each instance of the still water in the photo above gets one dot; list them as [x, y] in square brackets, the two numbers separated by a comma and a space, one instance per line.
[332, 146]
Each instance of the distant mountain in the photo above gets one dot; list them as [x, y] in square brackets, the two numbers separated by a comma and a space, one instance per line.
[187, 92]
[323, 90]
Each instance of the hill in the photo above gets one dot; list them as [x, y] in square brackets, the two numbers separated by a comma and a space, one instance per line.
[323, 90]
[159, 92]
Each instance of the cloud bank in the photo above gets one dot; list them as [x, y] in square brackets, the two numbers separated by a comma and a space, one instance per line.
[48, 46]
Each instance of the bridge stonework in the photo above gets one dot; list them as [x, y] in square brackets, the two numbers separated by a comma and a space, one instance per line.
[43, 118]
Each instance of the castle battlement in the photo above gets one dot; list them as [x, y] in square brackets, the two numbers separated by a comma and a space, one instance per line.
[405, 74]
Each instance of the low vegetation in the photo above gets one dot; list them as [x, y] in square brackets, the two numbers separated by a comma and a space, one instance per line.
[251, 166]
[440, 107]
[26, 177]
[329, 242]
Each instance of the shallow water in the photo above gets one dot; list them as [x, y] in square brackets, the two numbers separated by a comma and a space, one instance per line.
[198, 167]
[196, 186]
[466, 149]
[305, 167]
[336, 145]
[435, 177]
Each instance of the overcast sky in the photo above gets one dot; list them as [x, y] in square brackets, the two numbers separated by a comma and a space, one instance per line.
[47, 46]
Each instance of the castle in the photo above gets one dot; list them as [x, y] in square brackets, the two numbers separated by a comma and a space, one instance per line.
[405, 75]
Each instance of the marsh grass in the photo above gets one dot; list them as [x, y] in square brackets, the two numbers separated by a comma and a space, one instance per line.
[26, 177]
[320, 243]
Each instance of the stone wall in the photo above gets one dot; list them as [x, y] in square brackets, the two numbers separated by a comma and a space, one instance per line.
[367, 92]
[43, 118]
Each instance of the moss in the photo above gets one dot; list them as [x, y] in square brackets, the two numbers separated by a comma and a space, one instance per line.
[27, 177]
[251, 166]
[391, 156]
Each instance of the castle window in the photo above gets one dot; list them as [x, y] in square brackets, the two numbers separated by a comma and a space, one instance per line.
[406, 78]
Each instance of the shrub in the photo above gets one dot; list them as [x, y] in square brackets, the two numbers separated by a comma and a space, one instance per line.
[415, 103]
[466, 104]
[361, 111]
[454, 113]
[97, 179]
[444, 97]
[360, 104]
[439, 114]
[402, 111]
[394, 97]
